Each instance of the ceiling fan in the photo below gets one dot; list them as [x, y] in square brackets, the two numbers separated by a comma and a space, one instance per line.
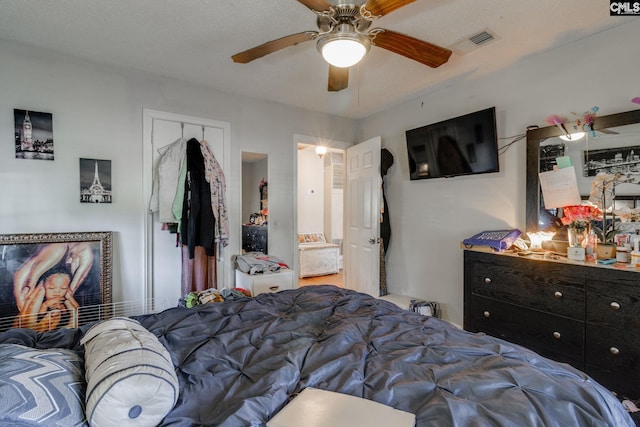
[344, 37]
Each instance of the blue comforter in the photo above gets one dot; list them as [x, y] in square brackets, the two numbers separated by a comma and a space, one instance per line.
[240, 362]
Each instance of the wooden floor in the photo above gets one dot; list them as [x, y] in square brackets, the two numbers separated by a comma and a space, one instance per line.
[330, 279]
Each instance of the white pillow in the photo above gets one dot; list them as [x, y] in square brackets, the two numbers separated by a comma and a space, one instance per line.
[130, 377]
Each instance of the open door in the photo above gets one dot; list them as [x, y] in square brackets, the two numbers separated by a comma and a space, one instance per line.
[362, 217]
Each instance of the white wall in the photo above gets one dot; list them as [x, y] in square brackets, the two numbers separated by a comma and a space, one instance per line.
[429, 218]
[97, 113]
[310, 192]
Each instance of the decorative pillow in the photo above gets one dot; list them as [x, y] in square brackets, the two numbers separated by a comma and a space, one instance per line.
[130, 377]
[41, 387]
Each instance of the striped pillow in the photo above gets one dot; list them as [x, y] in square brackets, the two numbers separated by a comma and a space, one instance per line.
[130, 376]
[41, 387]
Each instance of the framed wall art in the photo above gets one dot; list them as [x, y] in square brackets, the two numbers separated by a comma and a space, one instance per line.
[612, 160]
[33, 134]
[95, 181]
[54, 280]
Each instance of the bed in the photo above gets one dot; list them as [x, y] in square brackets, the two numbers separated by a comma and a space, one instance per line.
[240, 362]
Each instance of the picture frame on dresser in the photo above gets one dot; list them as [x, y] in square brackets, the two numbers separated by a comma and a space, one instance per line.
[54, 280]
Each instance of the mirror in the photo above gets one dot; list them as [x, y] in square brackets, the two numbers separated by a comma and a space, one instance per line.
[255, 202]
[619, 130]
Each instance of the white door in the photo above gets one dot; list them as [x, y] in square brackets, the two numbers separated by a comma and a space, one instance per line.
[164, 259]
[362, 217]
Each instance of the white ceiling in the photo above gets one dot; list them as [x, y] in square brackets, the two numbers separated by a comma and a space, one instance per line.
[193, 40]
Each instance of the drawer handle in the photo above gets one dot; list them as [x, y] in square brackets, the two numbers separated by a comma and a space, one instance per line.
[556, 335]
[487, 314]
[274, 288]
[487, 280]
[614, 351]
[557, 294]
[614, 305]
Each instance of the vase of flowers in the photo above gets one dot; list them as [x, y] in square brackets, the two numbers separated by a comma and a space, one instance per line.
[578, 221]
[577, 234]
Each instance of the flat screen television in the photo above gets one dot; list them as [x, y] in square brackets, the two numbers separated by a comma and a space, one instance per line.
[463, 145]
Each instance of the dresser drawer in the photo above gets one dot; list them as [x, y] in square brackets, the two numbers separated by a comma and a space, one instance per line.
[527, 283]
[557, 337]
[617, 349]
[614, 305]
[263, 283]
[271, 286]
[611, 353]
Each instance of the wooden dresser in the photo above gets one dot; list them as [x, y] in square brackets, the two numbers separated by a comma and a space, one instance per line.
[254, 238]
[583, 314]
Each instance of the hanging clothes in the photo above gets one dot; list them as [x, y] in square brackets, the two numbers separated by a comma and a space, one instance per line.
[198, 222]
[217, 184]
[386, 161]
[165, 180]
[178, 200]
[189, 195]
[198, 273]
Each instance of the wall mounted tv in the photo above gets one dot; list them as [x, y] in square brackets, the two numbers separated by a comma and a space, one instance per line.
[463, 145]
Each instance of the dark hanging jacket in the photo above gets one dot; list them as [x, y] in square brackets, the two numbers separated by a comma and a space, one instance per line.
[198, 223]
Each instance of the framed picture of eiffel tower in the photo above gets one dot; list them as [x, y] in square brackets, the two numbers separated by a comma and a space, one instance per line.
[95, 181]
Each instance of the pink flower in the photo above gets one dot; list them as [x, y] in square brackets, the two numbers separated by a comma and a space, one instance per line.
[555, 120]
[580, 215]
[589, 118]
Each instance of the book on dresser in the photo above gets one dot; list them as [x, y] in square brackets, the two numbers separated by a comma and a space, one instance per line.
[583, 314]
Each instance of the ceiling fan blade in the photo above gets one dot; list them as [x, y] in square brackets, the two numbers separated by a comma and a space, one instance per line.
[383, 7]
[412, 48]
[609, 131]
[317, 5]
[338, 78]
[273, 46]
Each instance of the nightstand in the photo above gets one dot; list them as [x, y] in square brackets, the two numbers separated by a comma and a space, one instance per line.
[262, 283]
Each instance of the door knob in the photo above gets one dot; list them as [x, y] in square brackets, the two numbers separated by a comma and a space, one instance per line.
[373, 240]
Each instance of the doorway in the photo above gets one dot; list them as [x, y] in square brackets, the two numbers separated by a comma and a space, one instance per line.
[320, 212]
[360, 212]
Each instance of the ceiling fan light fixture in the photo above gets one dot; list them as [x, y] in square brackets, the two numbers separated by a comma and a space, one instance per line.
[343, 50]
[573, 136]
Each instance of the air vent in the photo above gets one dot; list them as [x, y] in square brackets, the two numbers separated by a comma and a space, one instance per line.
[481, 38]
[470, 43]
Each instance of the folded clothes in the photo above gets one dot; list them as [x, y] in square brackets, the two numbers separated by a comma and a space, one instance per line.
[257, 262]
[212, 295]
